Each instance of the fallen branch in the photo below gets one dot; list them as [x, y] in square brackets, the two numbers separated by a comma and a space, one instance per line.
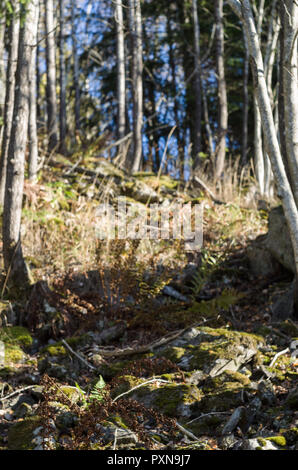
[186, 432]
[17, 392]
[277, 355]
[78, 355]
[139, 386]
[211, 194]
[148, 347]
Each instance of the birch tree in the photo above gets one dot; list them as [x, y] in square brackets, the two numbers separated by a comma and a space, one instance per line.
[259, 165]
[33, 139]
[121, 86]
[13, 37]
[198, 97]
[222, 91]
[243, 9]
[2, 68]
[75, 66]
[14, 262]
[137, 80]
[62, 79]
[51, 75]
[290, 88]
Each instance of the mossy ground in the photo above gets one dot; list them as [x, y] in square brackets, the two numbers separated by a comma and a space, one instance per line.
[20, 435]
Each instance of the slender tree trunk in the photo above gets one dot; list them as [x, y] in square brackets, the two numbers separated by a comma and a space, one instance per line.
[75, 66]
[243, 10]
[33, 139]
[244, 149]
[14, 262]
[137, 81]
[2, 68]
[207, 122]
[198, 97]
[259, 156]
[121, 85]
[13, 37]
[281, 97]
[258, 147]
[62, 79]
[51, 75]
[271, 48]
[172, 63]
[290, 83]
[222, 91]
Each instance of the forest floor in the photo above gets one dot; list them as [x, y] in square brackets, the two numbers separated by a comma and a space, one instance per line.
[138, 344]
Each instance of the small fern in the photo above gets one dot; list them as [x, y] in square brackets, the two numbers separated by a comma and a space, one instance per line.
[98, 391]
[209, 264]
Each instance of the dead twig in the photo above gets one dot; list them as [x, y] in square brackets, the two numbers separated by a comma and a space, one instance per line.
[78, 355]
[141, 385]
[17, 392]
[277, 355]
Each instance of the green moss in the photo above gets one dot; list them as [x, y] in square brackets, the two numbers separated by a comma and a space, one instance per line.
[55, 350]
[278, 440]
[173, 353]
[207, 425]
[13, 354]
[262, 442]
[222, 393]
[58, 349]
[167, 398]
[109, 371]
[126, 382]
[71, 392]
[152, 180]
[118, 421]
[20, 435]
[16, 335]
[279, 375]
[170, 397]
[8, 371]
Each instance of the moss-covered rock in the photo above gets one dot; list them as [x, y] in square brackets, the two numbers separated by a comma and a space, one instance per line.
[280, 441]
[20, 435]
[16, 335]
[140, 191]
[208, 424]
[171, 399]
[223, 392]
[12, 342]
[212, 350]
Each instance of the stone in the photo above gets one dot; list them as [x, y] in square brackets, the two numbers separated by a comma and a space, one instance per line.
[122, 436]
[283, 307]
[261, 261]
[233, 420]
[279, 240]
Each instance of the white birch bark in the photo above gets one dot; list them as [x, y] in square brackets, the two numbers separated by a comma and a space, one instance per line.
[243, 9]
[33, 139]
[198, 94]
[51, 75]
[137, 81]
[290, 82]
[222, 91]
[121, 87]
[75, 67]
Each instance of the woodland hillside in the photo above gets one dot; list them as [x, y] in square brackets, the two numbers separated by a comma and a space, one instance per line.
[149, 219]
